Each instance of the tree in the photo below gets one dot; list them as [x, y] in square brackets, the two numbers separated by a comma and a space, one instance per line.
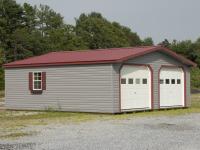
[185, 48]
[132, 37]
[164, 43]
[11, 18]
[1, 78]
[48, 19]
[195, 77]
[55, 34]
[30, 16]
[1, 69]
[148, 41]
[98, 32]
[2, 56]
[65, 38]
[197, 50]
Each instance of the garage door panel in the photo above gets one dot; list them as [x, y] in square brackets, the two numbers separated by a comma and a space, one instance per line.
[137, 94]
[171, 87]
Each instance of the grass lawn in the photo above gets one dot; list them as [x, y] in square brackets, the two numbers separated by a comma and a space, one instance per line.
[195, 101]
[12, 123]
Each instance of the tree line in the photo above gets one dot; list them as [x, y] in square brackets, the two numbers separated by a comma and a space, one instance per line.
[190, 50]
[27, 30]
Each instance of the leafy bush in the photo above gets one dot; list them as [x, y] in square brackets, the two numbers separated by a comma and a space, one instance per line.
[195, 78]
[1, 79]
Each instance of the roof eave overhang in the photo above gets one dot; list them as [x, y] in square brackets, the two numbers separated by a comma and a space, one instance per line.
[61, 64]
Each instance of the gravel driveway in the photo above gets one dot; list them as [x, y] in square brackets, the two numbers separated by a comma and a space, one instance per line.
[155, 133]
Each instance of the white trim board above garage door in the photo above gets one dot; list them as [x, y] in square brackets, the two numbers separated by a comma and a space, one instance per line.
[172, 87]
[135, 87]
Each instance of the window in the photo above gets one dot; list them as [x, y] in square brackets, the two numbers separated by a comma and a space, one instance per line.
[130, 81]
[161, 81]
[144, 81]
[172, 81]
[123, 81]
[178, 81]
[37, 81]
[166, 81]
[137, 81]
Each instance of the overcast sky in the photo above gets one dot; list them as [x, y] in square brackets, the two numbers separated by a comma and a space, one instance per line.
[160, 19]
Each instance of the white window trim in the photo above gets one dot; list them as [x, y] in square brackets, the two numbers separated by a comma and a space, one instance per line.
[37, 80]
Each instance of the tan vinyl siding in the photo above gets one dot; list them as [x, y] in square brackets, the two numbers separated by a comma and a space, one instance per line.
[84, 88]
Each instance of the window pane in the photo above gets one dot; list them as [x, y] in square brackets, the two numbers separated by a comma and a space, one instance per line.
[161, 81]
[123, 81]
[166, 81]
[39, 75]
[137, 81]
[144, 81]
[172, 81]
[178, 81]
[35, 76]
[130, 81]
[37, 85]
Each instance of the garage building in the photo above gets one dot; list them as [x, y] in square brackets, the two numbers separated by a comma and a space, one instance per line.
[105, 80]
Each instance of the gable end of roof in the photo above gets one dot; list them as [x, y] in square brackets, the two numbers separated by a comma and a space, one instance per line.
[171, 53]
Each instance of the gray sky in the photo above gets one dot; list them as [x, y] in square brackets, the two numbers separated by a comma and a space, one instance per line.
[171, 19]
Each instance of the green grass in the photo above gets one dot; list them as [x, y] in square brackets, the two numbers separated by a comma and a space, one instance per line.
[195, 101]
[12, 123]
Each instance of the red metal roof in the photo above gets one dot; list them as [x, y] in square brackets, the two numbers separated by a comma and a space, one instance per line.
[92, 56]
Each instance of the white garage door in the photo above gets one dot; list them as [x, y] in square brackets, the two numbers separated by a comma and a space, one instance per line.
[135, 87]
[171, 87]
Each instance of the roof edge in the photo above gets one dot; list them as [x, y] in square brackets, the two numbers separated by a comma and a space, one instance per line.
[62, 64]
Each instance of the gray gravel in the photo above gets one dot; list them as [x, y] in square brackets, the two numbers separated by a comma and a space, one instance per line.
[154, 133]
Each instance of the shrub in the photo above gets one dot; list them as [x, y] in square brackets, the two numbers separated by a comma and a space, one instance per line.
[1, 79]
[195, 78]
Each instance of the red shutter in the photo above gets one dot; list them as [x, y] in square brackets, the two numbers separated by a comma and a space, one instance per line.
[30, 81]
[43, 80]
